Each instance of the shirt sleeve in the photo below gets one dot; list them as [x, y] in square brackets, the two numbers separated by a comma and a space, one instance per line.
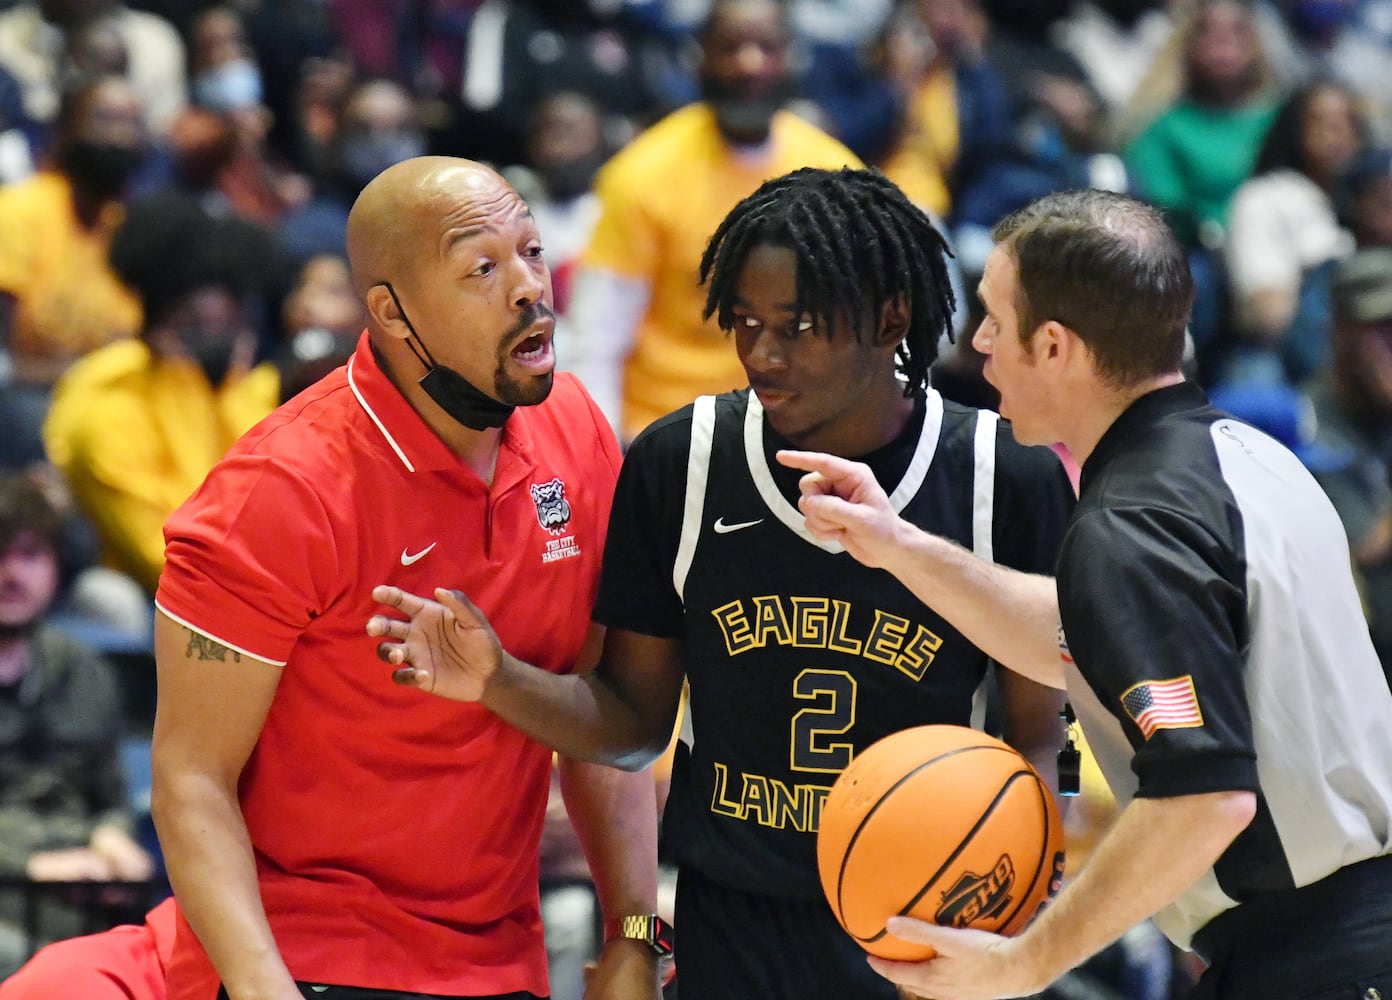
[250, 559]
[1034, 500]
[636, 592]
[1158, 629]
[626, 239]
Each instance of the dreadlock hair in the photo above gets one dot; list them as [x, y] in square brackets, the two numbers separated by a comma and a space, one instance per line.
[860, 245]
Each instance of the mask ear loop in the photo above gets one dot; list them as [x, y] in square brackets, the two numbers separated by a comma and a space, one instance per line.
[429, 364]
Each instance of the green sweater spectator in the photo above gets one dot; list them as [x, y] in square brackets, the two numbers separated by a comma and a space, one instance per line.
[1193, 157]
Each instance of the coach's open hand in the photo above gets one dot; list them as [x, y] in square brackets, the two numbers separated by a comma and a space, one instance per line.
[445, 646]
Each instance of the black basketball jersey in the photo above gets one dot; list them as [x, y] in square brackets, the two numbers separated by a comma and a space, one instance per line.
[797, 655]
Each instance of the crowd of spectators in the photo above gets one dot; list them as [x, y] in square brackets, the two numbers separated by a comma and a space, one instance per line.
[175, 177]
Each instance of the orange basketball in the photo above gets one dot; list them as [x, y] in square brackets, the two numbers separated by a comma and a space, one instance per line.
[942, 823]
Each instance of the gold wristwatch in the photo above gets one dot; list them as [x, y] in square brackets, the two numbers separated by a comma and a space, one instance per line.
[649, 928]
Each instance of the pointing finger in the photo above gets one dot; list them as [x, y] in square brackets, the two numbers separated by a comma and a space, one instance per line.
[808, 461]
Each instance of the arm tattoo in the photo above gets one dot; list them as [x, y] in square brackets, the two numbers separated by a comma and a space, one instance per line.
[202, 648]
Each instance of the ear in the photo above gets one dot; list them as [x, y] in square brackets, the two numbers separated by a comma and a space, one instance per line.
[384, 314]
[1054, 344]
[894, 322]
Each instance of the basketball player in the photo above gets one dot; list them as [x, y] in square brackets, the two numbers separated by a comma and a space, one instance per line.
[1216, 651]
[835, 289]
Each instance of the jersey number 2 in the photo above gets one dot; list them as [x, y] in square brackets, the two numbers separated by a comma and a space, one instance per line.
[814, 745]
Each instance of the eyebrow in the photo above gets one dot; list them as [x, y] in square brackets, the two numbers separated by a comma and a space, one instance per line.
[737, 302]
[456, 236]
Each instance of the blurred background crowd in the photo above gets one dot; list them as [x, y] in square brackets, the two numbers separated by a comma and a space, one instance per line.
[175, 176]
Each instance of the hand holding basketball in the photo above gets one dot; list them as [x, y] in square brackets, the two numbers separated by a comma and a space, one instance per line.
[942, 823]
[968, 964]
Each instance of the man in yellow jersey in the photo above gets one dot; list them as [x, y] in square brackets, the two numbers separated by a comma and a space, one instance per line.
[641, 347]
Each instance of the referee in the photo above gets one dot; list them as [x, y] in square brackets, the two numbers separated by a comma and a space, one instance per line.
[1216, 651]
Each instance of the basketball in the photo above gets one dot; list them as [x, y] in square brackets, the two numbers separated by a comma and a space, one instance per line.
[942, 823]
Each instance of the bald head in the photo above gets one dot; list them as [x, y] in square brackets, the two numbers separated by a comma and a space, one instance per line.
[405, 213]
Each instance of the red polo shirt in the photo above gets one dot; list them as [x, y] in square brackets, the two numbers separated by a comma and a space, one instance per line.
[395, 833]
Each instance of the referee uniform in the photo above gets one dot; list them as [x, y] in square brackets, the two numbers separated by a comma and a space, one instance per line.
[1214, 642]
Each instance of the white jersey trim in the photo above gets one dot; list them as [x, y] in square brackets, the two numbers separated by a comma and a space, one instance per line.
[984, 484]
[220, 641]
[789, 515]
[983, 518]
[697, 474]
[352, 384]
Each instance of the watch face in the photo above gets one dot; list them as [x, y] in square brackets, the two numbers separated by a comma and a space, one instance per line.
[662, 940]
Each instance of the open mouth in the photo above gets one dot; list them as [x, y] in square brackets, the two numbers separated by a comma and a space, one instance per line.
[533, 347]
[534, 351]
[771, 397]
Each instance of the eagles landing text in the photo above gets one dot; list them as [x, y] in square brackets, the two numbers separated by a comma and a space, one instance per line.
[819, 623]
[826, 698]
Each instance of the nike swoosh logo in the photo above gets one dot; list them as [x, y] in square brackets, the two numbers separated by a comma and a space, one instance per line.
[721, 528]
[408, 558]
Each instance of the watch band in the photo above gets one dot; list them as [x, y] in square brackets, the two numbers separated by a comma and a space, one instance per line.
[649, 928]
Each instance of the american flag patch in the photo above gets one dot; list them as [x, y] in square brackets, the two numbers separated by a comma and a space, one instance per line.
[1170, 704]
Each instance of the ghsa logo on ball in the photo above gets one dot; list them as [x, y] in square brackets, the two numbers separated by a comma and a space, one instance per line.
[977, 897]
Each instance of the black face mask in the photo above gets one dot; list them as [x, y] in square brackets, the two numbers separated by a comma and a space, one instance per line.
[451, 391]
[214, 356]
[572, 178]
[99, 168]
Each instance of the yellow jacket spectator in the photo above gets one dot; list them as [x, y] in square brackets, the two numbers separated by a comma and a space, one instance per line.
[135, 426]
[135, 432]
[58, 297]
[642, 348]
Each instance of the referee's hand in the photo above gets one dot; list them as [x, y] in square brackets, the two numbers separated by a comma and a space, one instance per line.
[843, 503]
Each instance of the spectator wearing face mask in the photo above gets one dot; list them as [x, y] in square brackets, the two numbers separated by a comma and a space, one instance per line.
[379, 126]
[322, 318]
[135, 427]
[564, 150]
[222, 143]
[59, 299]
[640, 345]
